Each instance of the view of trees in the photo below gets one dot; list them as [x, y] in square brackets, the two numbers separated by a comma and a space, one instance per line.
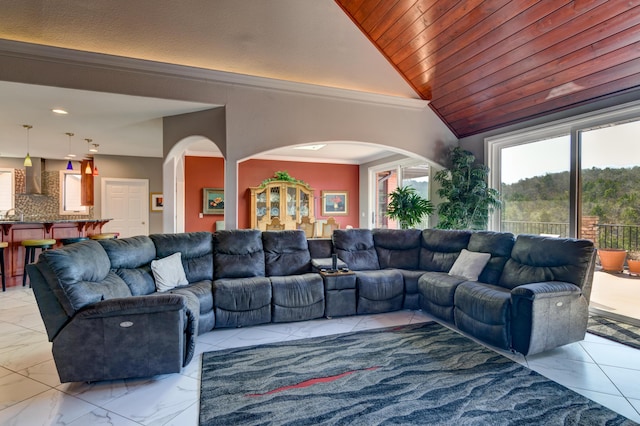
[613, 194]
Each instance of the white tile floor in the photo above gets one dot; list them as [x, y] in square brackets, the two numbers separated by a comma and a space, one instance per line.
[30, 393]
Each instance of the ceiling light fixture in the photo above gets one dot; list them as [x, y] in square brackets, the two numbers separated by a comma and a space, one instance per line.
[311, 147]
[27, 159]
[94, 147]
[59, 111]
[69, 165]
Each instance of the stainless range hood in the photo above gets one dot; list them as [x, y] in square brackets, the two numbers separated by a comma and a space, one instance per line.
[34, 177]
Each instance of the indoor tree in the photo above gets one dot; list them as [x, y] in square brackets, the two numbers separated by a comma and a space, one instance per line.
[408, 207]
[467, 198]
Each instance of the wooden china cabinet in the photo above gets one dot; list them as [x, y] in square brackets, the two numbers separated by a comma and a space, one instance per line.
[287, 201]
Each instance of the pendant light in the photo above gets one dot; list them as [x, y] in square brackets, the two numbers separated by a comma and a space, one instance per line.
[69, 165]
[90, 169]
[27, 159]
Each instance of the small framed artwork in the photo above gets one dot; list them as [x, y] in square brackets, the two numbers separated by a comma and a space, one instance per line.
[157, 202]
[334, 203]
[212, 201]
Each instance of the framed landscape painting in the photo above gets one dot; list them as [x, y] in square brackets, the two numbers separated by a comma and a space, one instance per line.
[212, 201]
[334, 203]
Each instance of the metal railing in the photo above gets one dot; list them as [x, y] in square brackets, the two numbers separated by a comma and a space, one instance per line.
[549, 228]
[618, 236]
[607, 235]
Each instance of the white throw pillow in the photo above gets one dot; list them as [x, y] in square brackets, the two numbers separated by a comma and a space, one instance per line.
[169, 272]
[470, 264]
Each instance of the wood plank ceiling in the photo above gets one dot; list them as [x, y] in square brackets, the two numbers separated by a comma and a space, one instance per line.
[485, 64]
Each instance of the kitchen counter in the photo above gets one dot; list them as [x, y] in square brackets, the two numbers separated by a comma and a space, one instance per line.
[15, 231]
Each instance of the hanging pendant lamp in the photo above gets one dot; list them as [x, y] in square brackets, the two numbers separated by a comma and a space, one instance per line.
[27, 159]
[69, 165]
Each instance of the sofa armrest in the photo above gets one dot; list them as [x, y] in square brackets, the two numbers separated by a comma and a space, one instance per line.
[133, 306]
[546, 315]
[545, 289]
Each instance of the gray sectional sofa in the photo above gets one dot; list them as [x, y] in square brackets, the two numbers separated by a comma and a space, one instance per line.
[107, 320]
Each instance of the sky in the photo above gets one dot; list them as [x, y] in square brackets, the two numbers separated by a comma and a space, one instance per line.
[614, 146]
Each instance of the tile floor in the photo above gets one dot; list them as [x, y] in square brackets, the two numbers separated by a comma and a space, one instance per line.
[30, 393]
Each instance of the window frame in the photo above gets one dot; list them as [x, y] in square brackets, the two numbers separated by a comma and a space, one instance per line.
[63, 212]
[12, 188]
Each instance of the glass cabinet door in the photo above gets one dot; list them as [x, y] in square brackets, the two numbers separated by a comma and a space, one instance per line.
[274, 201]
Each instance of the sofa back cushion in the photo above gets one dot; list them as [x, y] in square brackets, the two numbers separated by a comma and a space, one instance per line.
[286, 253]
[356, 248]
[82, 275]
[398, 248]
[196, 249]
[238, 253]
[130, 260]
[499, 246]
[440, 248]
[538, 259]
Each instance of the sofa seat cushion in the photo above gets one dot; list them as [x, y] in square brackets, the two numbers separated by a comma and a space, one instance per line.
[437, 290]
[202, 292]
[297, 297]
[242, 301]
[379, 291]
[484, 311]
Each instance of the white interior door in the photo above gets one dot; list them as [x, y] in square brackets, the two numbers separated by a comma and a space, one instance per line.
[126, 202]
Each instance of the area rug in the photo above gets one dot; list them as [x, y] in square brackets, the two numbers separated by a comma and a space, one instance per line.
[413, 375]
[617, 331]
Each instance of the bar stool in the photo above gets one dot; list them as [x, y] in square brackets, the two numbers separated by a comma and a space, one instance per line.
[30, 247]
[3, 245]
[67, 241]
[105, 236]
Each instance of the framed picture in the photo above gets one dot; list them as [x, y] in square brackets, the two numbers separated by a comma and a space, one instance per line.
[212, 201]
[157, 202]
[334, 203]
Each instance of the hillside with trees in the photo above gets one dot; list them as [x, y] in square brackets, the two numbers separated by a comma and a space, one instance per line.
[611, 194]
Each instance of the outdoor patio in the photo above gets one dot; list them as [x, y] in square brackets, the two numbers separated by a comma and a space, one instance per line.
[618, 294]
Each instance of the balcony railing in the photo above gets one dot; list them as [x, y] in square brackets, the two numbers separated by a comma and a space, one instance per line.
[607, 235]
[549, 228]
[619, 236]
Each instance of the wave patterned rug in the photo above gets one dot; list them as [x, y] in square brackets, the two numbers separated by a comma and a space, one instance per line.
[617, 331]
[415, 374]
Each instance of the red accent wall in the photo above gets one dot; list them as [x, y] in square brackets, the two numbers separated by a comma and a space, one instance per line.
[200, 172]
[319, 176]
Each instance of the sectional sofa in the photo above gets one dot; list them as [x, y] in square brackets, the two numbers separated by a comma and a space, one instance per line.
[132, 307]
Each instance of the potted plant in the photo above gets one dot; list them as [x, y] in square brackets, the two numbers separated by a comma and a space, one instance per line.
[612, 259]
[408, 207]
[468, 198]
[633, 262]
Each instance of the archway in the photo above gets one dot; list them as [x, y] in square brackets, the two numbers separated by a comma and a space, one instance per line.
[173, 179]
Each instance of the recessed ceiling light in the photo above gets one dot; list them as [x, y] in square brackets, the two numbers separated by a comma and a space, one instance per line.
[59, 111]
[310, 147]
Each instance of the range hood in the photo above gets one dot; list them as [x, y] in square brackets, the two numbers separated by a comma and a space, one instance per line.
[33, 180]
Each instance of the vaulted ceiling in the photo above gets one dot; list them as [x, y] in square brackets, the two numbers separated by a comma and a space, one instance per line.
[485, 64]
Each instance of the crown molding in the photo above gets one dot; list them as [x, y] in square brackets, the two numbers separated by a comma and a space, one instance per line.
[58, 54]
